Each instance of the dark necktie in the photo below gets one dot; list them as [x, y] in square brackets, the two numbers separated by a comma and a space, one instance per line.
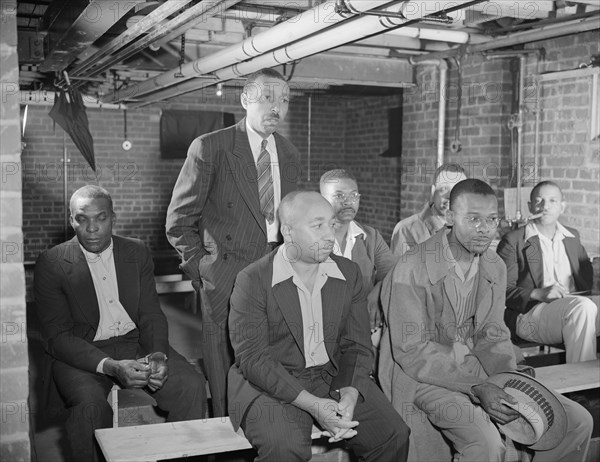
[265, 183]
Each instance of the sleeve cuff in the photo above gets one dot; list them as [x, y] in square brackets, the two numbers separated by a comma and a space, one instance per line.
[100, 367]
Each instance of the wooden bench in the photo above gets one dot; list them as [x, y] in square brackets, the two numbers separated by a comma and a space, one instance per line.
[566, 378]
[146, 443]
[176, 284]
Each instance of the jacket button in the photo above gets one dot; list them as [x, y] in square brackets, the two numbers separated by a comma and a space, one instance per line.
[228, 237]
[229, 204]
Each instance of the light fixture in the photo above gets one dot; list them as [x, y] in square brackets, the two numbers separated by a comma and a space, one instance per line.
[219, 91]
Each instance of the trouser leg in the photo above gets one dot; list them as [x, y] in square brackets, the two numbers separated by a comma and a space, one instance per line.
[85, 396]
[573, 447]
[474, 437]
[217, 356]
[183, 395]
[572, 320]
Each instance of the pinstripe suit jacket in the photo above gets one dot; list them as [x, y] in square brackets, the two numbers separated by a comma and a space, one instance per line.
[265, 328]
[214, 219]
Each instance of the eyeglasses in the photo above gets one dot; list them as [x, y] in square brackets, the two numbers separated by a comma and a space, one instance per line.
[350, 197]
[474, 221]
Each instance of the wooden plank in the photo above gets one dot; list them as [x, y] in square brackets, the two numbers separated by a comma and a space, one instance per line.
[174, 287]
[565, 378]
[144, 443]
[168, 278]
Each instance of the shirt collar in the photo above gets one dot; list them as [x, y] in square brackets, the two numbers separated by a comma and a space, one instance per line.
[531, 230]
[92, 257]
[355, 230]
[452, 263]
[283, 270]
[256, 140]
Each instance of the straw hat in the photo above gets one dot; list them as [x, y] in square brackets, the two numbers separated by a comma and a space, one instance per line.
[543, 421]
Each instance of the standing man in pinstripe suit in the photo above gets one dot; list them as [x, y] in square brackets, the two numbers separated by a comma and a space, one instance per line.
[223, 212]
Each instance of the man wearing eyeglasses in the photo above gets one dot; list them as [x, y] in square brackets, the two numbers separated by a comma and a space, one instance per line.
[421, 226]
[445, 335]
[549, 272]
[360, 243]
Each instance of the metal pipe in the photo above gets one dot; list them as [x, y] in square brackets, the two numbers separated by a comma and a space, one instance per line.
[522, 65]
[522, 55]
[197, 13]
[543, 33]
[350, 31]
[443, 83]
[298, 27]
[160, 13]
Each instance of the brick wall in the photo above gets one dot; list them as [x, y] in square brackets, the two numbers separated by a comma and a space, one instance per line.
[346, 132]
[567, 154]
[14, 445]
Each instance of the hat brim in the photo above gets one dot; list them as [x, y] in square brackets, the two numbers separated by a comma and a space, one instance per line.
[555, 432]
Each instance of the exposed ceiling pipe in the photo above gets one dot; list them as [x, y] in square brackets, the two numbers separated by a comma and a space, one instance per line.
[309, 22]
[543, 33]
[350, 31]
[443, 87]
[440, 35]
[171, 30]
[130, 34]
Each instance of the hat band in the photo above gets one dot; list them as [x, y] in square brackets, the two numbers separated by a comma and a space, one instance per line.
[535, 395]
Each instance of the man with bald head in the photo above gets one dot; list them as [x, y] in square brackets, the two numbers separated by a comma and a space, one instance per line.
[96, 299]
[300, 332]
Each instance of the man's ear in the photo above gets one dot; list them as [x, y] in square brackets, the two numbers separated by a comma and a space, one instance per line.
[432, 191]
[286, 232]
[244, 100]
[71, 221]
[563, 207]
[531, 207]
[449, 217]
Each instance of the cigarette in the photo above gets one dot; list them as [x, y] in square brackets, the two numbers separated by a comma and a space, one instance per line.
[536, 216]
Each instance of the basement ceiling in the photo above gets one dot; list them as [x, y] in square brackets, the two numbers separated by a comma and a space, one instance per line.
[139, 52]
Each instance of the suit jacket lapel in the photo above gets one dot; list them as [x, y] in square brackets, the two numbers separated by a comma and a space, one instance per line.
[533, 253]
[286, 296]
[243, 167]
[80, 279]
[128, 285]
[572, 250]
[286, 167]
[331, 294]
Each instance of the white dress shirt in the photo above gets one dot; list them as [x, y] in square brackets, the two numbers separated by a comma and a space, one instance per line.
[114, 320]
[311, 303]
[354, 231]
[556, 265]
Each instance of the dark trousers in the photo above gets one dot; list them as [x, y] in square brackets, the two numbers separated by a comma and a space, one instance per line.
[282, 432]
[217, 356]
[183, 396]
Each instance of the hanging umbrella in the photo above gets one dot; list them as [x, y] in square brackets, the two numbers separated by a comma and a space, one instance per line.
[69, 112]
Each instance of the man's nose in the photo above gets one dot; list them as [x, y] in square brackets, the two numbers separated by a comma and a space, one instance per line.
[92, 226]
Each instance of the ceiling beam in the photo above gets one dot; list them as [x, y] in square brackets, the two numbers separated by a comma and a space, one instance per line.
[75, 25]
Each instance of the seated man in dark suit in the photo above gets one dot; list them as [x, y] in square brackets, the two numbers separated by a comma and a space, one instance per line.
[97, 303]
[299, 328]
[548, 274]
